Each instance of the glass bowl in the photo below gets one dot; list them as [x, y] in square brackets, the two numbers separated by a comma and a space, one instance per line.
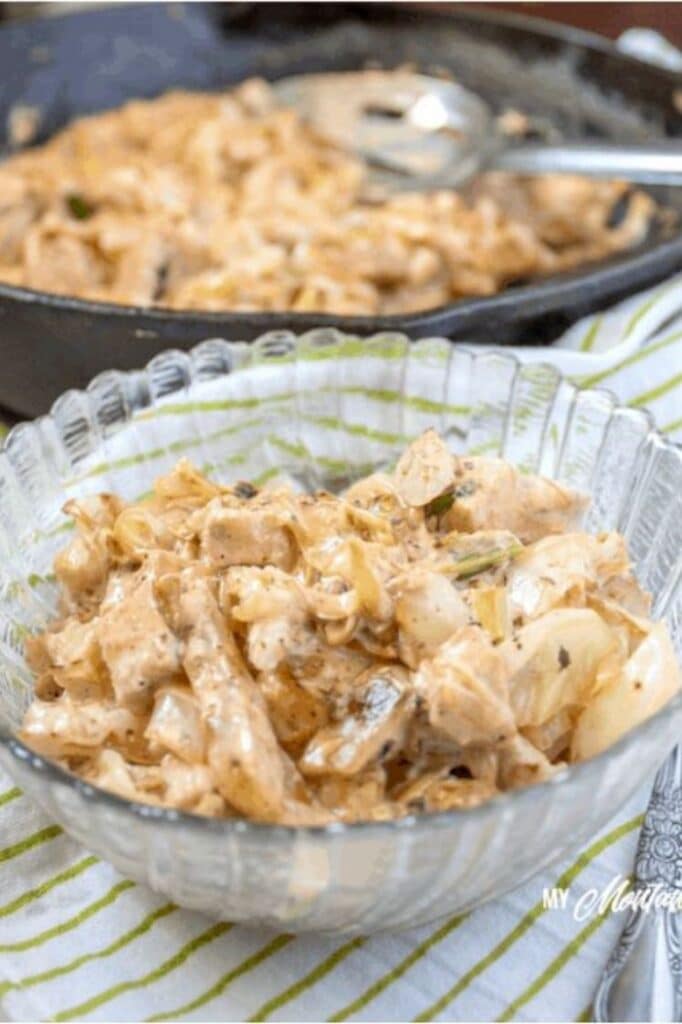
[322, 409]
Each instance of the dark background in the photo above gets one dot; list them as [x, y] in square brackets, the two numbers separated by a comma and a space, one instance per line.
[608, 19]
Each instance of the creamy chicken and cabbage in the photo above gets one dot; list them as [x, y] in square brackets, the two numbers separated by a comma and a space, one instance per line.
[229, 202]
[429, 638]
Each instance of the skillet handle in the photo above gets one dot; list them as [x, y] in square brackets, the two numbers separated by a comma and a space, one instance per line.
[655, 163]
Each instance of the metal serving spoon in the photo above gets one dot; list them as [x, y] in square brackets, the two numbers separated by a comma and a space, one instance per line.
[417, 133]
[643, 977]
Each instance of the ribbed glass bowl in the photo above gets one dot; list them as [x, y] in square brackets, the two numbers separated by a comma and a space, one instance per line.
[321, 410]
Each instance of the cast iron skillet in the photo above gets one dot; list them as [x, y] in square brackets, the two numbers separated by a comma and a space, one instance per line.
[75, 64]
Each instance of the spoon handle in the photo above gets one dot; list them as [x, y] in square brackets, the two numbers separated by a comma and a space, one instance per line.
[643, 977]
[654, 163]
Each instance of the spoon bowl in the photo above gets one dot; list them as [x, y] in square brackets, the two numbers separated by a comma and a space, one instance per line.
[418, 133]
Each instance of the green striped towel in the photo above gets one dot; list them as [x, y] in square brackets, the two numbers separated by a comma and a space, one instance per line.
[77, 941]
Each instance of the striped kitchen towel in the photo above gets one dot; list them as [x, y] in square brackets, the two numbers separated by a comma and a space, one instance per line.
[78, 941]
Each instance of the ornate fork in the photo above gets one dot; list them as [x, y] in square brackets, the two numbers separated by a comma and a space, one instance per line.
[642, 980]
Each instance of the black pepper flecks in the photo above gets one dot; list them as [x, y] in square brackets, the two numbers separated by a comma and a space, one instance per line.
[245, 490]
[417, 805]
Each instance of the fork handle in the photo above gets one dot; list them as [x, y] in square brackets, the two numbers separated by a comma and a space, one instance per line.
[654, 163]
[643, 977]
[640, 981]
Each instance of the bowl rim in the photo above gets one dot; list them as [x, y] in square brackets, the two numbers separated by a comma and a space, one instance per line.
[46, 769]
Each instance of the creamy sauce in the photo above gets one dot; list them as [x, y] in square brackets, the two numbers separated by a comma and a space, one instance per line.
[227, 201]
[427, 639]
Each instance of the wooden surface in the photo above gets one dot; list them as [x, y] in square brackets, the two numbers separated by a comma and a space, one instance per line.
[608, 19]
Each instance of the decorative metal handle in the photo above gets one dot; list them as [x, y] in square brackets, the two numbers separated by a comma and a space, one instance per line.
[643, 977]
[656, 163]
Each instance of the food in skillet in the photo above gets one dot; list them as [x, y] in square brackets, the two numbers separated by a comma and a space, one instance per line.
[429, 638]
[228, 202]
